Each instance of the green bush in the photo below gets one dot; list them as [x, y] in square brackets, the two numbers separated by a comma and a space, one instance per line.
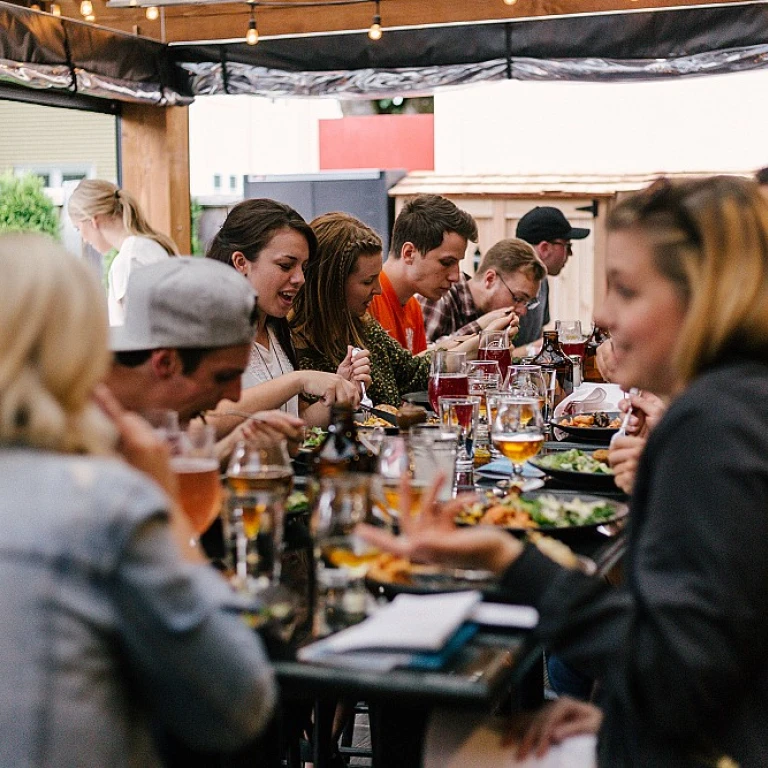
[24, 207]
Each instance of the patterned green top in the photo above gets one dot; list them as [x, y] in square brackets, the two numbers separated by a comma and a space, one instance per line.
[394, 370]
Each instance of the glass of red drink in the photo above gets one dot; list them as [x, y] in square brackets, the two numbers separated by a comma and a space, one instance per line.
[571, 339]
[447, 376]
[462, 412]
[494, 345]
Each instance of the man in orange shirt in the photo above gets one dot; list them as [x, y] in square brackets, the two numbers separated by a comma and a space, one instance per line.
[428, 242]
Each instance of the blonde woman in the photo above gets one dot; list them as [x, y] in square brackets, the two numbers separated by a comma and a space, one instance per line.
[103, 615]
[108, 217]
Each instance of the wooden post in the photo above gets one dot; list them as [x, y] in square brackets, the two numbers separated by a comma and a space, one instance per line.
[155, 166]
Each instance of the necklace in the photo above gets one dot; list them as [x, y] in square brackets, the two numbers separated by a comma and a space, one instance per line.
[267, 373]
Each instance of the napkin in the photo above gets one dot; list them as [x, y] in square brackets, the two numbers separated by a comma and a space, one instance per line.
[502, 468]
[413, 630]
[610, 402]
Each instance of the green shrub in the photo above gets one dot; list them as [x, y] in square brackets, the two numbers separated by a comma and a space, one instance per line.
[24, 207]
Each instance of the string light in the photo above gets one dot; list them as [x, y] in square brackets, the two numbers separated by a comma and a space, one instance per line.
[509, 2]
[86, 8]
[55, 9]
[252, 35]
[153, 13]
[374, 33]
[90, 17]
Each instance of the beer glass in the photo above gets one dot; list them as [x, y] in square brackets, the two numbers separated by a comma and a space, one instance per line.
[260, 478]
[517, 431]
[447, 376]
[197, 473]
[394, 466]
[572, 340]
[494, 345]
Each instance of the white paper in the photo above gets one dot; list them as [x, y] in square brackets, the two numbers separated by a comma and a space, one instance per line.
[500, 615]
[408, 623]
[610, 402]
[457, 740]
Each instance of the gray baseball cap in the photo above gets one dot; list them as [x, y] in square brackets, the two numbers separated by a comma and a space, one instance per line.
[185, 302]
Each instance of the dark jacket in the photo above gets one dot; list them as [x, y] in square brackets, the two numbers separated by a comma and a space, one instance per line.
[682, 648]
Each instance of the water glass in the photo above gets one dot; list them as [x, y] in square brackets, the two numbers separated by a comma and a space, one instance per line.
[433, 451]
[462, 413]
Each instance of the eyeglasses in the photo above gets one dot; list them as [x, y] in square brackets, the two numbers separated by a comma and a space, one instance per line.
[565, 243]
[518, 299]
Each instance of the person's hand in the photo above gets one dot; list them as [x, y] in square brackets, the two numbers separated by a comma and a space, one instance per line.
[329, 387]
[432, 537]
[356, 366]
[272, 427]
[624, 457]
[138, 443]
[556, 722]
[500, 320]
[606, 360]
[647, 410]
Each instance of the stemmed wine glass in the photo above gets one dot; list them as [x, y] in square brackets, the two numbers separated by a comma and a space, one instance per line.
[527, 381]
[260, 478]
[517, 431]
[494, 345]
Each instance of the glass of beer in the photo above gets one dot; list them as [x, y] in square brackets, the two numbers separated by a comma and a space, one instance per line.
[517, 431]
[447, 376]
[260, 479]
[494, 345]
[394, 467]
[571, 339]
[196, 468]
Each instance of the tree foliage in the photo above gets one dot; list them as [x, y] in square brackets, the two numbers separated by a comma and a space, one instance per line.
[24, 206]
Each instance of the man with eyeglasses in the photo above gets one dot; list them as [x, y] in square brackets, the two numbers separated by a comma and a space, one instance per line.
[550, 233]
[502, 290]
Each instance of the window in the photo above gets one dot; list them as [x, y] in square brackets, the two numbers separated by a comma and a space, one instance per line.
[217, 181]
[233, 183]
[55, 177]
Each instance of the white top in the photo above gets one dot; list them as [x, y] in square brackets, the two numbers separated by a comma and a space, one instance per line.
[267, 363]
[136, 251]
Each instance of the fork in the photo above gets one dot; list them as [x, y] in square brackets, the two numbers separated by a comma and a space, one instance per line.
[365, 401]
[622, 430]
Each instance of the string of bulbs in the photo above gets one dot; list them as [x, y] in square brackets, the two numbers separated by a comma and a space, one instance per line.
[252, 34]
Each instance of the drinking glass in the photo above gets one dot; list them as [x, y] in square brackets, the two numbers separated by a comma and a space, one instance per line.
[394, 465]
[433, 451]
[462, 413]
[527, 381]
[260, 478]
[517, 431]
[484, 379]
[494, 345]
[447, 376]
[572, 340]
[196, 468]
[342, 557]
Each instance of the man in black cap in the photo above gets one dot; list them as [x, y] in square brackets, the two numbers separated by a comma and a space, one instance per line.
[550, 233]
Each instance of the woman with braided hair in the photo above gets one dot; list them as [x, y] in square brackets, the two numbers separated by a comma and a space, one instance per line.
[330, 312]
[108, 217]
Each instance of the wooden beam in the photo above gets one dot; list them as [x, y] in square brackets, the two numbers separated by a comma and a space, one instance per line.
[222, 21]
[155, 166]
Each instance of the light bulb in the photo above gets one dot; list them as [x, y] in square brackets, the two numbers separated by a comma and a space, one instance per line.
[375, 31]
[509, 2]
[252, 35]
[55, 9]
[152, 13]
[90, 17]
[86, 7]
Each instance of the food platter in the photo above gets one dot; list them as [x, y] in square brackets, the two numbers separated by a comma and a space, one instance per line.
[603, 512]
[588, 480]
[592, 434]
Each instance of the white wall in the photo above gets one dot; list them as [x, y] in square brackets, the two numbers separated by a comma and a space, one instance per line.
[697, 124]
[238, 135]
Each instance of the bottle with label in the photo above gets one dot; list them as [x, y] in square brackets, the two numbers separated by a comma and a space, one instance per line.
[557, 369]
[342, 451]
[590, 371]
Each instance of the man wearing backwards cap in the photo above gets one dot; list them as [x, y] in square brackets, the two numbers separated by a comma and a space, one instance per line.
[550, 233]
[184, 346]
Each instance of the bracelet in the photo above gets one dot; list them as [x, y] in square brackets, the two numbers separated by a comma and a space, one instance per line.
[309, 399]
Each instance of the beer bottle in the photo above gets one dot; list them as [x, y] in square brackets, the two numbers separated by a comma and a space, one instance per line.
[342, 451]
[557, 369]
[590, 371]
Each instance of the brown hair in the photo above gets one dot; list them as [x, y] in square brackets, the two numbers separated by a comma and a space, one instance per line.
[320, 316]
[95, 197]
[425, 220]
[512, 255]
[710, 240]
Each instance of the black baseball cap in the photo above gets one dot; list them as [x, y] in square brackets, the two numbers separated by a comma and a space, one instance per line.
[547, 223]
